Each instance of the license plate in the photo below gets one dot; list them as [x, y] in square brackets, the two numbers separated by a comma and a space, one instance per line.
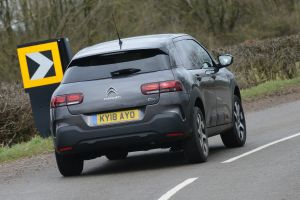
[116, 117]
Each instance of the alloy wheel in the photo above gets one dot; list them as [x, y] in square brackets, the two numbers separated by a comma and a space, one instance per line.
[201, 134]
[239, 120]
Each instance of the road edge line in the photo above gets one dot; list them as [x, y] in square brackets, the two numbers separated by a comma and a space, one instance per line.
[260, 148]
[178, 187]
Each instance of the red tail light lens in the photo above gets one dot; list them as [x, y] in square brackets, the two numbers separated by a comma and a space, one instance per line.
[170, 86]
[74, 99]
[58, 101]
[150, 88]
[68, 99]
[161, 87]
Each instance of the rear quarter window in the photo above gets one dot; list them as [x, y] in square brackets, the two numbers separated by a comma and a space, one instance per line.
[100, 66]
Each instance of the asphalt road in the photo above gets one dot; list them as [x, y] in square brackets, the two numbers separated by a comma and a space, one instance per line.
[268, 173]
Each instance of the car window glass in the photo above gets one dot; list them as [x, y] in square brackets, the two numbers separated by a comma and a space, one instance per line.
[100, 66]
[193, 55]
[174, 58]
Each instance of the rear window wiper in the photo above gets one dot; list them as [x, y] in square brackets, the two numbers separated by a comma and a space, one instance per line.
[123, 72]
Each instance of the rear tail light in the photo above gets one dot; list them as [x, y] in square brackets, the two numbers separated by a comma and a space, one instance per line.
[67, 99]
[161, 87]
[58, 101]
[150, 88]
[74, 99]
[170, 86]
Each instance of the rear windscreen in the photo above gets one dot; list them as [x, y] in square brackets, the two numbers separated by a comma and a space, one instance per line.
[100, 66]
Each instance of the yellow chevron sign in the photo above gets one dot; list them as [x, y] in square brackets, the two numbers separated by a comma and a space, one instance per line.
[40, 64]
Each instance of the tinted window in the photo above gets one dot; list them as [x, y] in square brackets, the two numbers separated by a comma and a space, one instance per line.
[101, 66]
[174, 58]
[192, 54]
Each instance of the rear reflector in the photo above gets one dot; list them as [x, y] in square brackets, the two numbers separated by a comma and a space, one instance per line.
[67, 99]
[161, 87]
[62, 149]
[175, 134]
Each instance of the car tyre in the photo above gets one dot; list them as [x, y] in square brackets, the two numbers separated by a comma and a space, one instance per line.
[236, 136]
[117, 155]
[196, 148]
[69, 165]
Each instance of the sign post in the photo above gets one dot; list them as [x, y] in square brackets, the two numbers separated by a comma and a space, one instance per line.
[42, 67]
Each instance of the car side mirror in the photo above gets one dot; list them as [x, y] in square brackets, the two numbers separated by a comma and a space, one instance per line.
[225, 60]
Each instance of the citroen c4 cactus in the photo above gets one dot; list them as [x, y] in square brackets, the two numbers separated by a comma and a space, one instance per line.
[156, 91]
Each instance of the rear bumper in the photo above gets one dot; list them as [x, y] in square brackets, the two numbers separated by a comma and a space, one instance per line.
[130, 137]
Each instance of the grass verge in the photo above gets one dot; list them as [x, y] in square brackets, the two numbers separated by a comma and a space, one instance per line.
[35, 146]
[269, 88]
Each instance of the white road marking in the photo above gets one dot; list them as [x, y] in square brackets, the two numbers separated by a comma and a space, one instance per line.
[45, 65]
[260, 148]
[175, 189]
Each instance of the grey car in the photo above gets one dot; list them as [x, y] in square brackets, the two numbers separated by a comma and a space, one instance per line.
[155, 91]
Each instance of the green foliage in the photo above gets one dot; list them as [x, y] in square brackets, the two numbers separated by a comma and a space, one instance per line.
[269, 88]
[35, 146]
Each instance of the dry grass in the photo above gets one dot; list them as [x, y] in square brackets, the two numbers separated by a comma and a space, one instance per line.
[16, 121]
[259, 61]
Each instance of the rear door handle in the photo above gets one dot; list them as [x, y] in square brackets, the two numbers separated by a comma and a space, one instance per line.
[211, 73]
[198, 77]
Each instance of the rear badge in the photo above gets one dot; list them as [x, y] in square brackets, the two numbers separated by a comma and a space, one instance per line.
[111, 91]
[112, 94]
[112, 98]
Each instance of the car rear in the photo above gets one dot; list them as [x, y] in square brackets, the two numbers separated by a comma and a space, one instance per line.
[119, 101]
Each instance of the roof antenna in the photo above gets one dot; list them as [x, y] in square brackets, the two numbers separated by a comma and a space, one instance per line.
[120, 41]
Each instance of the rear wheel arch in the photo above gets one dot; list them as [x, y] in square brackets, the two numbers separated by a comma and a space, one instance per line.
[196, 99]
[199, 104]
[237, 92]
